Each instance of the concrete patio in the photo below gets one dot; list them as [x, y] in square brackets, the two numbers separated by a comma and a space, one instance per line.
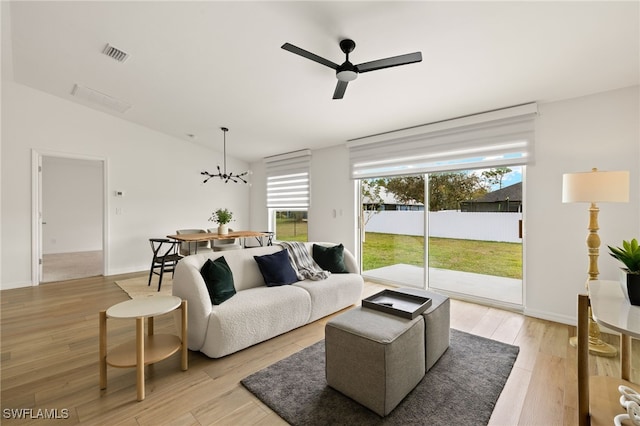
[506, 292]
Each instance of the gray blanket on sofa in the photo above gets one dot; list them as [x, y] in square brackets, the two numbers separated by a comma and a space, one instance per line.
[303, 263]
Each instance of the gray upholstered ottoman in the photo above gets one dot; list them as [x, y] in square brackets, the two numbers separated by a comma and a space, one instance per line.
[374, 358]
[436, 324]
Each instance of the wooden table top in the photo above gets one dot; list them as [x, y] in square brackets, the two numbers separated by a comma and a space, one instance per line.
[207, 236]
[144, 307]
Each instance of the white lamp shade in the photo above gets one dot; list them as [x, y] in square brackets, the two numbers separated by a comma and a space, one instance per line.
[595, 187]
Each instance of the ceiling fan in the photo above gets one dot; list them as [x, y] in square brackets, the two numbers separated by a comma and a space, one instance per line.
[347, 71]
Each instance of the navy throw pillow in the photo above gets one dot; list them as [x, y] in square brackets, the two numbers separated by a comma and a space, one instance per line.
[330, 258]
[276, 269]
[219, 280]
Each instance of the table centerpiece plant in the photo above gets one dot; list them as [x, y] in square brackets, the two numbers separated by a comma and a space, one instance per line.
[222, 217]
[629, 255]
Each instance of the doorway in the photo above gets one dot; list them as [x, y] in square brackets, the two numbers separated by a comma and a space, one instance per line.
[70, 216]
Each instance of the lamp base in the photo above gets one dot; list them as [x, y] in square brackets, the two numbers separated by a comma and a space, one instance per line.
[596, 346]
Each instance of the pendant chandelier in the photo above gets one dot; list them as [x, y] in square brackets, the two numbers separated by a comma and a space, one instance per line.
[226, 177]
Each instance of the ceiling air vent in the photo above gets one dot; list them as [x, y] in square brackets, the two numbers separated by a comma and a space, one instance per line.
[95, 97]
[115, 53]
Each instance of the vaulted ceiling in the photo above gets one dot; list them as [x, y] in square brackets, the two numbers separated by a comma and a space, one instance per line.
[197, 66]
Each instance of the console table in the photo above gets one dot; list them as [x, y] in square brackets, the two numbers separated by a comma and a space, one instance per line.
[598, 396]
[144, 350]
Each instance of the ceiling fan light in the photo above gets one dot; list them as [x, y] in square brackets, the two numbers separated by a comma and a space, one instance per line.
[346, 75]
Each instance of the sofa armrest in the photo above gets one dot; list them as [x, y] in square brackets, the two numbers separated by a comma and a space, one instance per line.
[189, 285]
[350, 262]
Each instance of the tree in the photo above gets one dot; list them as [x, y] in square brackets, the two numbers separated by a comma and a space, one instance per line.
[371, 200]
[446, 190]
[406, 189]
[495, 176]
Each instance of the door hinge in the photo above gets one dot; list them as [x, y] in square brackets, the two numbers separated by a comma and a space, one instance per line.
[39, 261]
[39, 169]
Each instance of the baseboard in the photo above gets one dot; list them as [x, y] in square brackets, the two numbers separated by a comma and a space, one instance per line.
[112, 271]
[21, 284]
[550, 316]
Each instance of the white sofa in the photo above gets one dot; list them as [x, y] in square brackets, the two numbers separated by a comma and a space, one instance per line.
[257, 312]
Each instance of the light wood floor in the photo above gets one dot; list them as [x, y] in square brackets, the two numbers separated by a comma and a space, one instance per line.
[69, 266]
[50, 361]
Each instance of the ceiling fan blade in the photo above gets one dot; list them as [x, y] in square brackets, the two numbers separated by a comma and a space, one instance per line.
[298, 51]
[341, 87]
[394, 61]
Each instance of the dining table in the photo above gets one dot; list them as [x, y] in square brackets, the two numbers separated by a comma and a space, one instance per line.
[209, 236]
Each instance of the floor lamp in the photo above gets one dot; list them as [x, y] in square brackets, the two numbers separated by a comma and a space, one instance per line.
[595, 187]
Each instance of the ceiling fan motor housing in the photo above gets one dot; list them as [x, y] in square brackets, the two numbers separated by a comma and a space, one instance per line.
[347, 72]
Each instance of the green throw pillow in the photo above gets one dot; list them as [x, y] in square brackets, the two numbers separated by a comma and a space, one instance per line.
[330, 258]
[219, 280]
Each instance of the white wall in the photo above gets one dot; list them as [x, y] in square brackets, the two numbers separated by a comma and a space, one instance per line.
[159, 174]
[333, 215]
[72, 198]
[601, 130]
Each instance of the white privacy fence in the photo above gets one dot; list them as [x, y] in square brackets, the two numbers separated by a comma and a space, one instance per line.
[449, 224]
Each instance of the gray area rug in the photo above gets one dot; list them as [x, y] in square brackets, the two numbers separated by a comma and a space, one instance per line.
[461, 389]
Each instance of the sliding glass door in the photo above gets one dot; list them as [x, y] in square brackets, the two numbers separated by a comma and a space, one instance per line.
[472, 222]
[474, 230]
[467, 222]
[393, 230]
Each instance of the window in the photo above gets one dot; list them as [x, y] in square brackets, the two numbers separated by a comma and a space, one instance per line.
[288, 194]
[290, 225]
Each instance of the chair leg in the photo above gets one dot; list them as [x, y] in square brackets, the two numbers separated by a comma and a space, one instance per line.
[150, 274]
[161, 274]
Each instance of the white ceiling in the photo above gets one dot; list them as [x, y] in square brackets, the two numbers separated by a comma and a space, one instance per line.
[197, 66]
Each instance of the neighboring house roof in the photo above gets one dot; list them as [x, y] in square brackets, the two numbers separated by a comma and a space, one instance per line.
[511, 192]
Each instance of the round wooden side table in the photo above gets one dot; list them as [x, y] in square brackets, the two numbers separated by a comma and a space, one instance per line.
[145, 350]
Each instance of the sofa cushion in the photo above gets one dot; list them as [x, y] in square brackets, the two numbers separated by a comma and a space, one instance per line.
[330, 295]
[255, 315]
[330, 258]
[219, 280]
[276, 269]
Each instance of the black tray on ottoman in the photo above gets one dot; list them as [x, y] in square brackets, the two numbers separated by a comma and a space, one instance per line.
[401, 304]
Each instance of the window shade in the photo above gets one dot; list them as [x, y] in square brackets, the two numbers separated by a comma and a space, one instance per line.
[493, 139]
[288, 180]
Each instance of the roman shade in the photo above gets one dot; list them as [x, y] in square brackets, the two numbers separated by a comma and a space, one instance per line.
[497, 138]
[288, 180]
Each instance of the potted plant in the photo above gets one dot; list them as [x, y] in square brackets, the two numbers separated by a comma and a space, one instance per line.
[629, 255]
[222, 217]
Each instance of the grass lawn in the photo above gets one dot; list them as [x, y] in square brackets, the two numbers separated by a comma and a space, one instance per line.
[481, 257]
[291, 230]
